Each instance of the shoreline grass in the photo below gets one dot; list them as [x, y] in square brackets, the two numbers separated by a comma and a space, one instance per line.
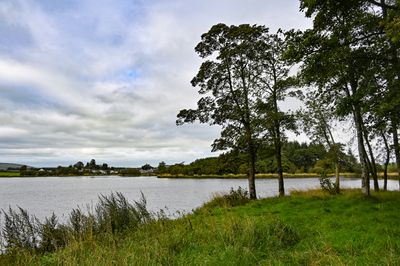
[9, 174]
[306, 228]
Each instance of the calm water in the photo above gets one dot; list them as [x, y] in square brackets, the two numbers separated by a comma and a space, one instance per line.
[43, 196]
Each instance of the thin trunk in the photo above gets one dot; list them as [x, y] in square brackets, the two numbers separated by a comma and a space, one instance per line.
[337, 165]
[396, 147]
[386, 161]
[360, 144]
[250, 141]
[337, 177]
[252, 171]
[277, 141]
[394, 117]
[371, 162]
[278, 154]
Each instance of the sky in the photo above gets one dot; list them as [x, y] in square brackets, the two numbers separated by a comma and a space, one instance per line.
[105, 79]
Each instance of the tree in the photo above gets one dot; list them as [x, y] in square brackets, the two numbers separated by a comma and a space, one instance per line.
[79, 165]
[272, 76]
[162, 168]
[147, 167]
[92, 164]
[227, 81]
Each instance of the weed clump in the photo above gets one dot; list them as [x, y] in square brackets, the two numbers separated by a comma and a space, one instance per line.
[236, 197]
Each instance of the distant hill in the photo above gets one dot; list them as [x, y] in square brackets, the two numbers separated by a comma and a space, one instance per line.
[6, 166]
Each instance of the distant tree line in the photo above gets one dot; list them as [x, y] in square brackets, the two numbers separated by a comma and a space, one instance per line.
[81, 169]
[296, 158]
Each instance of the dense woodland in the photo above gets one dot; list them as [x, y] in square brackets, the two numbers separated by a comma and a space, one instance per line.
[346, 68]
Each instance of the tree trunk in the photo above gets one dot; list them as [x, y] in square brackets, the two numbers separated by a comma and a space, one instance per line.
[361, 150]
[358, 121]
[386, 161]
[337, 176]
[251, 177]
[371, 162]
[278, 155]
[396, 146]
[251, 173]
[277, 140]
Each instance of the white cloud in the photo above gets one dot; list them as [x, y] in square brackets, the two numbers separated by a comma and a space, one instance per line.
[105, 79]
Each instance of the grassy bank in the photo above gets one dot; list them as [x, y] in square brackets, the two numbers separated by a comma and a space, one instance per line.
[267, 176]
[307, 228]
[9, 174]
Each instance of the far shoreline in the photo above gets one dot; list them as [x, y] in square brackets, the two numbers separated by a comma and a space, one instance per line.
[391, 176]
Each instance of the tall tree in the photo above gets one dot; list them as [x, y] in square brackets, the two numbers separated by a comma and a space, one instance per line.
[242, 82]
[273, 77]
[230, 93]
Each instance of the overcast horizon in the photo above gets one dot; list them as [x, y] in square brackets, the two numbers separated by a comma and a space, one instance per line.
[85, 79]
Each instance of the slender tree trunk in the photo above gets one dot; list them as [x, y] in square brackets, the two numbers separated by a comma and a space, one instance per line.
[361, 150]
[394, 117]
[278, 155]
[371, 161]
[385, 177]
[252, 169]
[337, 176]
[358, 121]
[396, 146]
[277, 141]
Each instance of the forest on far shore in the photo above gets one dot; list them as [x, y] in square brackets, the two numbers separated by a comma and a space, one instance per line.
[297, 158]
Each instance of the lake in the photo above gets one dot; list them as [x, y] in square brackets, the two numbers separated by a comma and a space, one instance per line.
[44, 195]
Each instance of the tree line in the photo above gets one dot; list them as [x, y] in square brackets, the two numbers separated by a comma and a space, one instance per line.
[346, 67]
[296, 158]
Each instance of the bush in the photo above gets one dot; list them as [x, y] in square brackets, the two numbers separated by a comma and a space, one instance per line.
[327, 185]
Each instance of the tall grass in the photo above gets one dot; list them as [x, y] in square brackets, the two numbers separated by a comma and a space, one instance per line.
[113, 214]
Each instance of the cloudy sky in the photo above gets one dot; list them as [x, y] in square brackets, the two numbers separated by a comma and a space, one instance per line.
[104, 79]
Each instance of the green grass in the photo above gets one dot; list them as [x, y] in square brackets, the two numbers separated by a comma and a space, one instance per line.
[9, 174]
[307, 228]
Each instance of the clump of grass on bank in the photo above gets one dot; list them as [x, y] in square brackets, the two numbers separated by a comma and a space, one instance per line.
[306, 228]
[112, 215]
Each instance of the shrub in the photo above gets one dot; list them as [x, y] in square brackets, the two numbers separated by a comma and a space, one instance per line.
[327, 185]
